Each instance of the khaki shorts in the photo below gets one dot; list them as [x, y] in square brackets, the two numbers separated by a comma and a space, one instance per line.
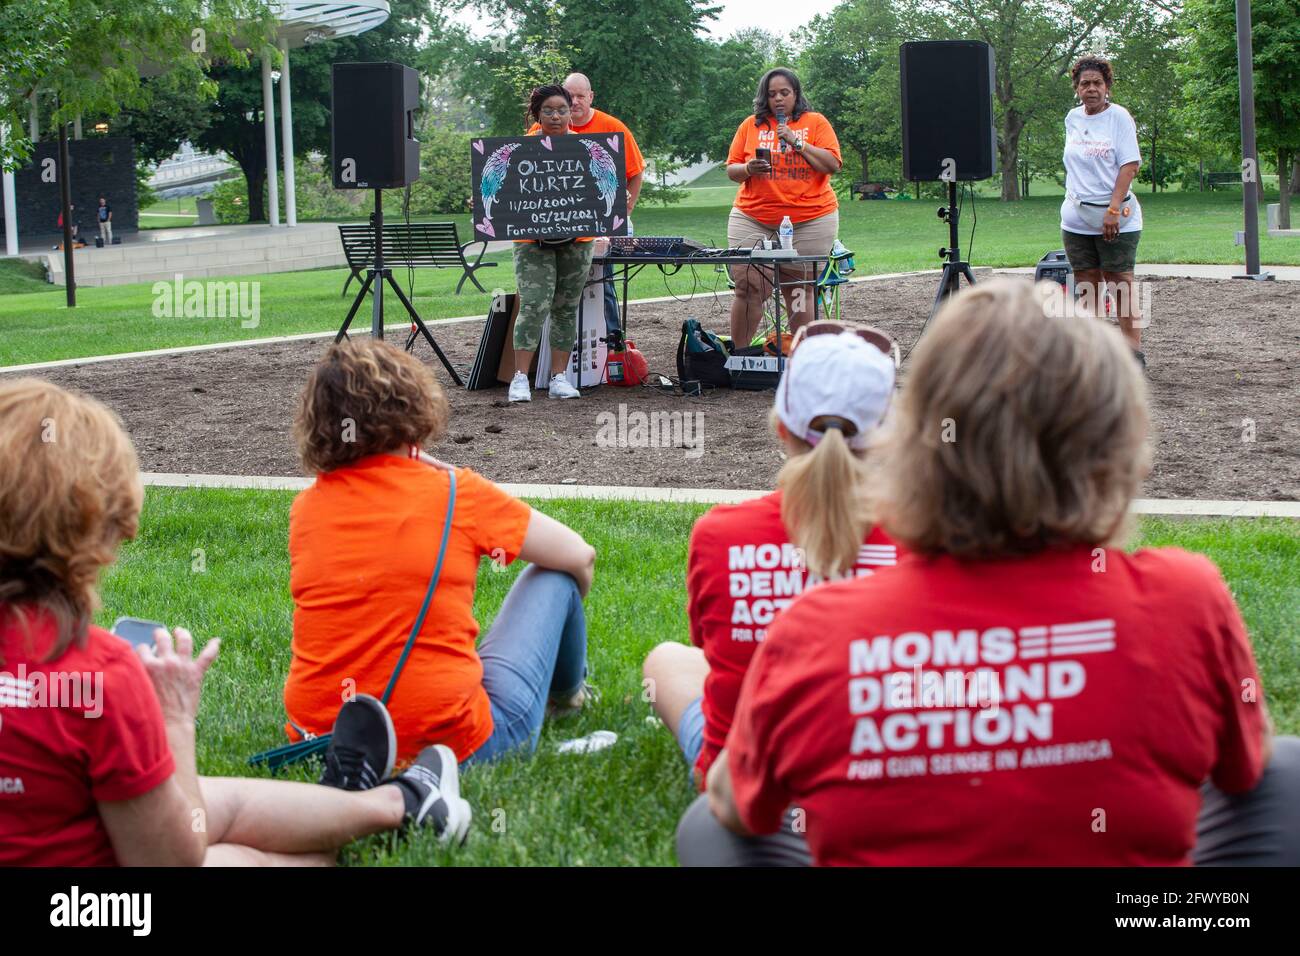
[812, 238]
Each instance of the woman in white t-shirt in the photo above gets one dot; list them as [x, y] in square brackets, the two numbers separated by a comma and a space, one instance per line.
[1101, 221]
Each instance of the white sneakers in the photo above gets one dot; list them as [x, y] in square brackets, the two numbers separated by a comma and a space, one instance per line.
[560, 387]
[521, 390]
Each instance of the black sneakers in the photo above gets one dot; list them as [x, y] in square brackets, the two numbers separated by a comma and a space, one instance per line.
[431, 789]
[363, 746]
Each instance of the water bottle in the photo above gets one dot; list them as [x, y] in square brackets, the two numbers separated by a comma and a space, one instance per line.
[786, 232]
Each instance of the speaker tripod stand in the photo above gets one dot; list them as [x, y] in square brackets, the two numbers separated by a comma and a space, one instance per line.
[953, 268]
[376, 276]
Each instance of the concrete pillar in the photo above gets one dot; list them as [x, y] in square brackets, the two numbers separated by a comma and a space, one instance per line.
[268, 124]
[11, 204]
[76, 127]
[286, 137]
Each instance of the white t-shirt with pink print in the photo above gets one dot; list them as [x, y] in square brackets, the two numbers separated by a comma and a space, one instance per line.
[1095, 148]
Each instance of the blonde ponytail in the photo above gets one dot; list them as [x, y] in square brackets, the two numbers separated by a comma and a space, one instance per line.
[823, 504]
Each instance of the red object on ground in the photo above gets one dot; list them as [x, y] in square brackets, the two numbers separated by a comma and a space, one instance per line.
[626, 367]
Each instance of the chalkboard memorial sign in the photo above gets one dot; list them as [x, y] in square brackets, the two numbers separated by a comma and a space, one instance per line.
[549, 187]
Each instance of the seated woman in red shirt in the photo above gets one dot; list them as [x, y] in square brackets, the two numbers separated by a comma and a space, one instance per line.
[97, 751]
[1019, 691]
[748, 561]
[363, 543]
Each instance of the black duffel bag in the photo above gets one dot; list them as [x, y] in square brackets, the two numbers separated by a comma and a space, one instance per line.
[701, 356]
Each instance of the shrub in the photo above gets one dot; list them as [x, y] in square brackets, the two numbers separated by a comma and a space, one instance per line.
[230, 200]
[444, 184]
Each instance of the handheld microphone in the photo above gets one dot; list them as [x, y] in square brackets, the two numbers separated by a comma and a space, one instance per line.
[780, 121]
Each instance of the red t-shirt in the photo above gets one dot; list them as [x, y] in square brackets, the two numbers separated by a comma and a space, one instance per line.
[1121, 683]
[84, 728]
[741, 570]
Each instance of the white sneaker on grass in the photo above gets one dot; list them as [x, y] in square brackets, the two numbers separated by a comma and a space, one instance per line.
[431, 792]
[520, 388]
[560, 387]
[594, 742]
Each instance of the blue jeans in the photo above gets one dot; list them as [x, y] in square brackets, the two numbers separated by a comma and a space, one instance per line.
[612, 317]
[536, 649]
[690, 734]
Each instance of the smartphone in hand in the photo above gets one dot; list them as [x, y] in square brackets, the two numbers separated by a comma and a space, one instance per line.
[764, 154]
[136, 631]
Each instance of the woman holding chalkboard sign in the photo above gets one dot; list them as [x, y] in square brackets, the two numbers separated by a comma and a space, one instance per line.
[549, 274]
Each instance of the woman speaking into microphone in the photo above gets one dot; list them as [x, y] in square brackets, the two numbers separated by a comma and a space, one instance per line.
[783, 159]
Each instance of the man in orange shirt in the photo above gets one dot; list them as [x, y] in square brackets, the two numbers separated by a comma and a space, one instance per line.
[584, 118]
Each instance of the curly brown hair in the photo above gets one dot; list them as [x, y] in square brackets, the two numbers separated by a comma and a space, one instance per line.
[1091, 62]
[70, 493]
[363, 398]
[1021, 427]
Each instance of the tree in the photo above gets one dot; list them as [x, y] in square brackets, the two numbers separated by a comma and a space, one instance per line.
[1034, 42]
[1212, 105]
[1042, 142]
[176, 114]
[643, 59]
[1144, 72]
[540, 53]
[706, 119]
[849, 68]
[34, 37]
[96, 51]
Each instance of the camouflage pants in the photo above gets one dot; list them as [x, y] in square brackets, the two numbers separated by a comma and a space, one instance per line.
[550, 282]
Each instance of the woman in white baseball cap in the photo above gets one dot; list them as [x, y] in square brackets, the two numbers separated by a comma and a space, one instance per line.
[747, 561]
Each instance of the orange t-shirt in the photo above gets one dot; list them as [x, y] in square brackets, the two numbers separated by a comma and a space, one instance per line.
[363, 540]
[793, 188]
[600, 122]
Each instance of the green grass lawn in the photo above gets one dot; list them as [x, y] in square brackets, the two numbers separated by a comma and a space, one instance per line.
[892, 236]
[613, 808]
[717, 176]
[22, 275]
[170, 213]
[723, 195]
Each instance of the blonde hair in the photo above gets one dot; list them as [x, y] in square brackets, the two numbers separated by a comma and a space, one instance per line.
[69, 495]
[363, 398]
[823, 501]
[1020, 427]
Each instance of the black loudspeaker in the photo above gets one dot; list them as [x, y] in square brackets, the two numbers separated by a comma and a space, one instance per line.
[372, 125]
[947, 90]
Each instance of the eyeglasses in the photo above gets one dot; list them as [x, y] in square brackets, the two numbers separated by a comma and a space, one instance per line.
[865, 332]
[563, 111]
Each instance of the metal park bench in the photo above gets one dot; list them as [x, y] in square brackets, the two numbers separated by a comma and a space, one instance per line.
[1223, 179]
[435, 244]
[870, 189]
